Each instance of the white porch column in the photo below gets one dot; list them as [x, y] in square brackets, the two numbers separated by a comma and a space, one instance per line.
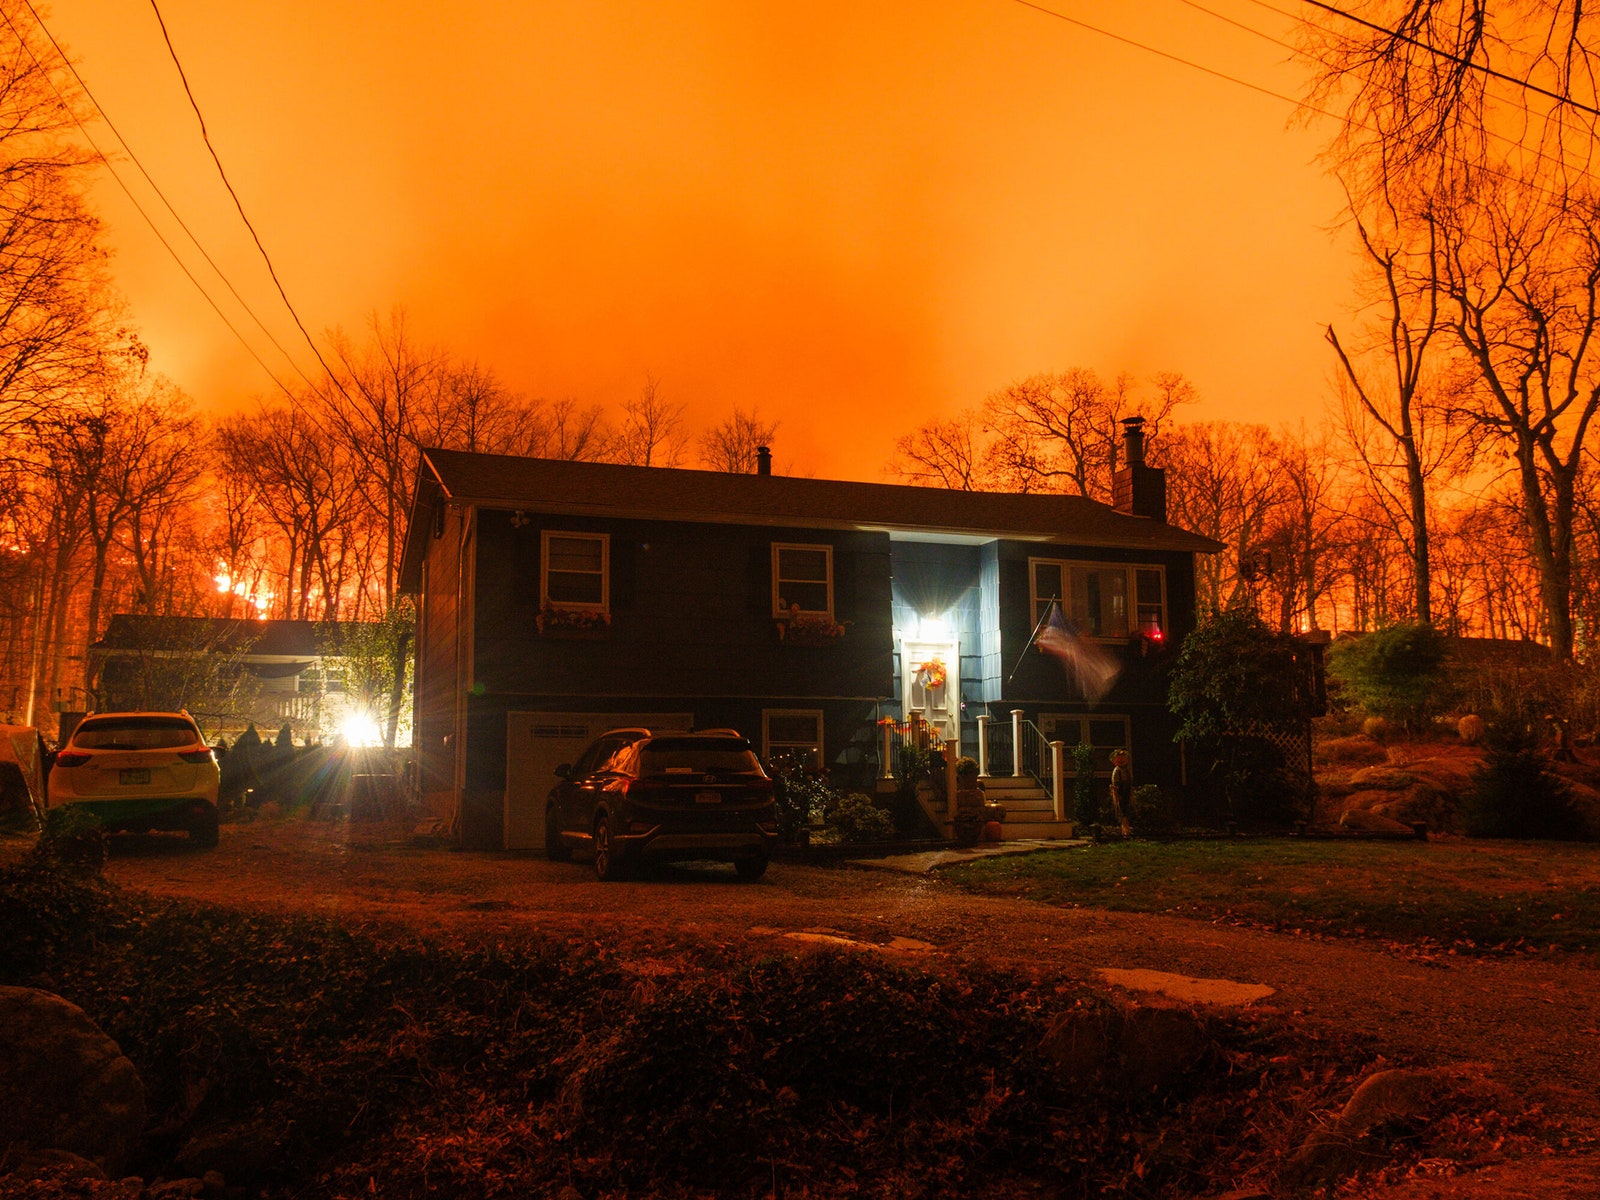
[888, 750]
[983, 745]
[1058, 788]
[950, 785]
[1016, 743]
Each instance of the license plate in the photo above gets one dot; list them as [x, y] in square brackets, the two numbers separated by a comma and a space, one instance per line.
[131, 775]
[708, 797]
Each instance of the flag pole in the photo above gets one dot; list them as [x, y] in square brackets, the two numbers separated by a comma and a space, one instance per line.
[1038, 625]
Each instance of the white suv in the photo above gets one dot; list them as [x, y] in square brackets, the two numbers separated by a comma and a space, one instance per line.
[140, 771]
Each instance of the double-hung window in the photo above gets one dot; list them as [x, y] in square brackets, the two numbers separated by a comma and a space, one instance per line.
[1105, 600]
[574, 571]
[802, 579]
[793, 733]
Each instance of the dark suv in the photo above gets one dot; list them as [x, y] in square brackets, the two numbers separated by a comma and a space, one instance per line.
[636, 795]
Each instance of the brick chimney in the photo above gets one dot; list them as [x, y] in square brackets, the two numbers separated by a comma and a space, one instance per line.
[1135, 488]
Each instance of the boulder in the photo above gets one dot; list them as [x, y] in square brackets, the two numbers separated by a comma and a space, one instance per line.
[1394, 1095]
[1131, 1049]
[250, 1153]
[65, 1085]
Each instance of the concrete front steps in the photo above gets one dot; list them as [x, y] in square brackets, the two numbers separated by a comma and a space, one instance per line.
[1029, 810]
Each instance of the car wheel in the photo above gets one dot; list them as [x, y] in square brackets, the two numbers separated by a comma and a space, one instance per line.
[752, 868]
[555, 846]
[204, 833]
[608, 864]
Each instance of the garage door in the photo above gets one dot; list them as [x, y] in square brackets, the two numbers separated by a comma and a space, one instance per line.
[537, 743]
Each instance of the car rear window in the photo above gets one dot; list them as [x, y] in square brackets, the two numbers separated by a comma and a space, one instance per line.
[663, 755]
[135, 733]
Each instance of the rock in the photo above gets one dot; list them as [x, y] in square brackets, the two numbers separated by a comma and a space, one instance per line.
[1383, 779]
[33, 1164]
[1079, 1043]
[1395, 1095]
[1132, 1049]
[1361, 820]
[249, 1153]
[1386, 1096]
[1159, 1043]
[64, 1084]
[177, 1189]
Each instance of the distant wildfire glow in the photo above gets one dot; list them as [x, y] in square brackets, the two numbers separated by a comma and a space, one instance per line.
[260, 601]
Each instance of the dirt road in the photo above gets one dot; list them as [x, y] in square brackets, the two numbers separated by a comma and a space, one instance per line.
[1535, 1022]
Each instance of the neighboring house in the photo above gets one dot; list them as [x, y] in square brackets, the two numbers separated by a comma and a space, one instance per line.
[227, 672]
[559, 599]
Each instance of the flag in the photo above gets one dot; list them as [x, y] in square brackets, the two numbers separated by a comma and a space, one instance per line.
[1086, 664]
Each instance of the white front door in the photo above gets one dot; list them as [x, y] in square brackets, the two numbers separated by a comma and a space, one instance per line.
[930, 674]
[537, 743]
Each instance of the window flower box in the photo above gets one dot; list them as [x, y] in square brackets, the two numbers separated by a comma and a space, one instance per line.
[556, 621]
[807, 629]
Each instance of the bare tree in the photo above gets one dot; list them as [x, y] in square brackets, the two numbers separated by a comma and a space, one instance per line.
[54, 306]
[731, 444]
[651, 432]
[1062, 432]
[944, 453]
[1222, 481]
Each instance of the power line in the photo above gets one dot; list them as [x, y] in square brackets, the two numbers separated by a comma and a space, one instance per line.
[1525, 84]
[1303, 105]
[117, 133]
[182, 266]
[265, 257]
[1264, 36]
[1137, 45]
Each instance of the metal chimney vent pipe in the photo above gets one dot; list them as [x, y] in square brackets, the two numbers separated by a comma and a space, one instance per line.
[763, 460]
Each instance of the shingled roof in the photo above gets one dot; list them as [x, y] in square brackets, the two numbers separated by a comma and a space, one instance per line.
[672, 494]
[129, 632]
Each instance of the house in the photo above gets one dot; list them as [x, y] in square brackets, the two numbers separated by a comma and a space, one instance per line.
[558, 599]
[228, 672]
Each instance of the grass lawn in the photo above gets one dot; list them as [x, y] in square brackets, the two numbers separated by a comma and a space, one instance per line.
[1474, 897]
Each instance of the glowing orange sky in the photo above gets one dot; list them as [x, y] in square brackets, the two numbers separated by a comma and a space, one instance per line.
[853, 216]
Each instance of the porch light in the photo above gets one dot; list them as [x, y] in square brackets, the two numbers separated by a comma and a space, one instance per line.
[360, 731]
[933, 629]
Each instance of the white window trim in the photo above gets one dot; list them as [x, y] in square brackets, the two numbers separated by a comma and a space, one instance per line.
[1129, 569]
[777, 585]
[766, 730]
[605, 569]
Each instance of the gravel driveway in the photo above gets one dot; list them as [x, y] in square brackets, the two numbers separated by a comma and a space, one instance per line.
[1535, 1021]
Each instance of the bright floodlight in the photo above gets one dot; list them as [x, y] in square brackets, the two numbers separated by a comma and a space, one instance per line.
[361, 730]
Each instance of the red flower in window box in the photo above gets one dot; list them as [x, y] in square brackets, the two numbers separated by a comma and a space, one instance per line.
[807, 629]
[554, 618]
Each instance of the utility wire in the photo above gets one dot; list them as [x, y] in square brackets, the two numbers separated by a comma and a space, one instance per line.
[134, 200]
[265, 257]
[117, 133]
[1264, 36]
[1526, 85]
[1303, 105]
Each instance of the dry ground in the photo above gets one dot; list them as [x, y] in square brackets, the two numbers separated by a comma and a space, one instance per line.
[1536, 1022]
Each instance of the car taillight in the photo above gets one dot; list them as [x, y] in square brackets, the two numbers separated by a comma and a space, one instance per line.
[195, 756]
[71, 758]
[644, 789]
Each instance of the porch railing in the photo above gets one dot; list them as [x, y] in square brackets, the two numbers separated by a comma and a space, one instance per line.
[1015, 748]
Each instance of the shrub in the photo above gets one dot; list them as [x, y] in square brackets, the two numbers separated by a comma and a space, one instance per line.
[1395, 672]
[1375, 728]
[1085, 805]
[910, 768]
[1235, 683]
[1513, 795]
[857, 819]
[72, 839]
[799, 795]
[1470, 729]
[1153, 810]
